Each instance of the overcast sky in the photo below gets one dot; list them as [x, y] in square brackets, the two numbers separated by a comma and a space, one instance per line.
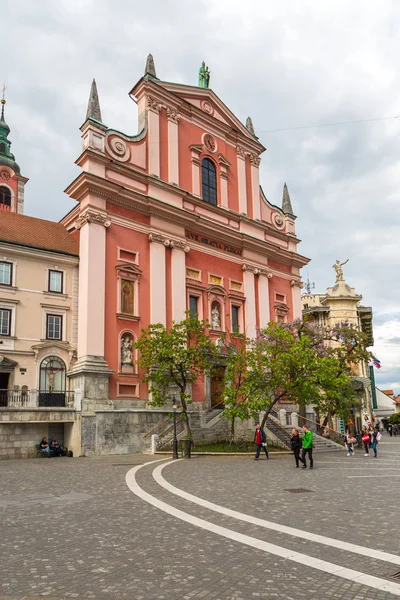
[287, 64]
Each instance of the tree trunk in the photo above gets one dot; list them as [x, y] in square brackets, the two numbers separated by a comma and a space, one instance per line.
[185, 416]
[233, 427]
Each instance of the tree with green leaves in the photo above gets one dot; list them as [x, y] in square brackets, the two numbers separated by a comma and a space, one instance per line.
[177, 356]
[297, 362]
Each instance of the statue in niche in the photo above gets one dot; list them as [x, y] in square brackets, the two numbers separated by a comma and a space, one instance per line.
[126, 351]
[127, 297]
[338, 268]
[215, 318]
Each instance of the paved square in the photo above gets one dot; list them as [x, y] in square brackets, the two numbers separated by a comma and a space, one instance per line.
[211, 527]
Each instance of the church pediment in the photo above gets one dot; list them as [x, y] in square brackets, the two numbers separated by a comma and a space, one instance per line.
[7, 364]
[128, 271]
[208, 102]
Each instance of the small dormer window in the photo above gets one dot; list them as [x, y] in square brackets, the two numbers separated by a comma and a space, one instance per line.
[209, 181]
[5, 196]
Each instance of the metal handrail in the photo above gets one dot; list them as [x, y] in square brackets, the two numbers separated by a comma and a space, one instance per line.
[156, 427]
[169, 428]
[279, 427]
[338, 435]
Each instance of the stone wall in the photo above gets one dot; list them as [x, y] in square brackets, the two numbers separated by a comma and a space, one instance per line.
[18, 440]
[118, 432]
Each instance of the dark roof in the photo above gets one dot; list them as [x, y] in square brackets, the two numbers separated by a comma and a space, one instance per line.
[36, 233]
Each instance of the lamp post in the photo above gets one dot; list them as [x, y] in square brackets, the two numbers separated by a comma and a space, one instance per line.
[175, 440]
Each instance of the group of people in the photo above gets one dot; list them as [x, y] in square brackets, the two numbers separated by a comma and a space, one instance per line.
[303, 445]
[52, 446]
[393, 429]
[370, 437]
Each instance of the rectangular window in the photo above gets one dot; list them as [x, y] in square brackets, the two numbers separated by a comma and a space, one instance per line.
[5, 321]
[54, 327]
[5, 273]
[235, 319]
[193, 305]
[56, 281]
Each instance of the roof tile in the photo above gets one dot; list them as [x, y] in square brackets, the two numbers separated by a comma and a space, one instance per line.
[36, 233]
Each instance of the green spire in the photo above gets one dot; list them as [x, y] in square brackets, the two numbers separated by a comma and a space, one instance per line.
[6, 156]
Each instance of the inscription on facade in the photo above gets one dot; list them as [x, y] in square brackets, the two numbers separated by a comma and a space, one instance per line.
[214, 243]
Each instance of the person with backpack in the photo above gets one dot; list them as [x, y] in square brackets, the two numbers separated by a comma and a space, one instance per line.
[295, 444]
[307, 447]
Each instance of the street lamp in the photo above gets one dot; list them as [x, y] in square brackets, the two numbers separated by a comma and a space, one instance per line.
[175, 440]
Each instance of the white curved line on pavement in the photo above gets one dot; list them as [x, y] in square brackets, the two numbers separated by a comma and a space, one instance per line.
[305, 535]
[307, 561]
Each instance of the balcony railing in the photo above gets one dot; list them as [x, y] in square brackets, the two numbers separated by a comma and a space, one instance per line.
[36, 399]
[5, 207]
[14, 399]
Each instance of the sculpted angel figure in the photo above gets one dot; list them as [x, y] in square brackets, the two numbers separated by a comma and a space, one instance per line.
[215, 320]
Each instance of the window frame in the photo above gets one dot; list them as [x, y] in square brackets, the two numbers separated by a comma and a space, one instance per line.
[235, 330]
[9, 193]
[9, 311]
[61, 327]
[206, 185]
[6, 262]
[196, 298]
[61, 273]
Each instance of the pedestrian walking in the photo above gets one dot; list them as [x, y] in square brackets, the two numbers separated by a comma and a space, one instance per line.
[390, 429]
[260, 440]
[375, 437]
[307, 447]
[395, 430]
[349, 441]
[295, 444]
[366, 440]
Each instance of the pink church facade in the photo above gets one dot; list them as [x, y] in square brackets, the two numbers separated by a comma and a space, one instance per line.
[168, 220]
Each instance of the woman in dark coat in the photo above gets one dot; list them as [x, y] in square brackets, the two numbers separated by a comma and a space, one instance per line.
[295, 444]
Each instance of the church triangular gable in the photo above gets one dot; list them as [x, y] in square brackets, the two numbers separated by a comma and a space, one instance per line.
[207, 101]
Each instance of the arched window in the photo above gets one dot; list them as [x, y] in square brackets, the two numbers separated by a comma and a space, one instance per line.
[209, 181]
[5, 196]
[52, 382]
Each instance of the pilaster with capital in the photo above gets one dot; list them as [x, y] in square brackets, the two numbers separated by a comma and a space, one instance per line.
[173, 118]
[153, 123]
[241, 171]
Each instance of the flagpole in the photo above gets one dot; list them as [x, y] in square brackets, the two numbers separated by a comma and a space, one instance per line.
[373, 390]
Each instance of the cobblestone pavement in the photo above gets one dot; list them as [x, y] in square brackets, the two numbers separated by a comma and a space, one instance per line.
[71, 528]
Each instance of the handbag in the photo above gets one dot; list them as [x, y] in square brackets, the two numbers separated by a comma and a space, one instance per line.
[365, 438]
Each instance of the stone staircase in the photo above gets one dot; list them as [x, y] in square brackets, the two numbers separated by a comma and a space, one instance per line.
[320, 443]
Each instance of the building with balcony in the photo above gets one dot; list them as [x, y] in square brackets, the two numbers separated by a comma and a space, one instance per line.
[38, 321]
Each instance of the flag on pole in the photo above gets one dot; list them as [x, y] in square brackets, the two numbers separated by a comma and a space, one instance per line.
[375, 363]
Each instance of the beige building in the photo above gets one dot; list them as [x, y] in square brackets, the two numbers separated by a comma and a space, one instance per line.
[341, 303]
[38, 334]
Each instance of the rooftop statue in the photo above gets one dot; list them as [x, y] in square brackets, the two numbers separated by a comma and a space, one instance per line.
[204, 76]
[339, 271]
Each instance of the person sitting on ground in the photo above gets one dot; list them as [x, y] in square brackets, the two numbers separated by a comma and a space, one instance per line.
[55, 447]
[44, 446]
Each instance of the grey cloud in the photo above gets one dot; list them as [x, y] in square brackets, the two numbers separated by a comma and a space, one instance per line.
[318, 63]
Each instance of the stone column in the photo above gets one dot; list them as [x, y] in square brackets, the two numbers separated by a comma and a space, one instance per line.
[255, 185]
[178, 276]
[263, 297]
[91, 372]
[154, 108]
[158, 305]
[173, 146]
[296, 298]
[250, 303]
[241, 169]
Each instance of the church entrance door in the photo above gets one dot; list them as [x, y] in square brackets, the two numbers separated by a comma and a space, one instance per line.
[217, 387]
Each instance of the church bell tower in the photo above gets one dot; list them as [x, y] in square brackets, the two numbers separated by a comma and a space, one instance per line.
[12, 183]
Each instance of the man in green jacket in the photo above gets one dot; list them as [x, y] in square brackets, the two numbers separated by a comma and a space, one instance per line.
[307, 447]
